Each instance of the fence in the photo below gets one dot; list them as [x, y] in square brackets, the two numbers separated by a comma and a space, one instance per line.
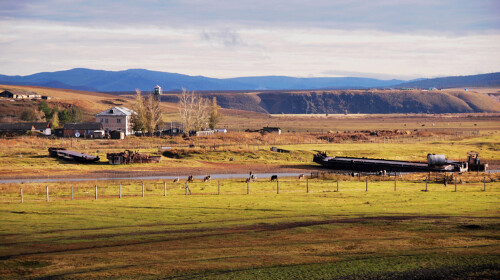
[23, 193]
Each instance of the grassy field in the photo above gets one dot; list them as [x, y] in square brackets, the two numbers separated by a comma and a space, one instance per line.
[28, 157]
[321, 234]
[353, 233]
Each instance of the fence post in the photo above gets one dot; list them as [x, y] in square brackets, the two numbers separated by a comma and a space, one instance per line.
[425, 184]
[164, 188]
[218, 187]
[95, 192]
[120, 195]
[366, 183]
[72, 192]
[248, 187]
[277, 186]
[455, 183]
[142, 189]
[307, 185]
[186, 189]
[337, 184]
[395, 180]
[484, 183]
[47, 189]
[22, 200]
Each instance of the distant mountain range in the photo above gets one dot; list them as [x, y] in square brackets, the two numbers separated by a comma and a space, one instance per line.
[129, 80]
[481, 80]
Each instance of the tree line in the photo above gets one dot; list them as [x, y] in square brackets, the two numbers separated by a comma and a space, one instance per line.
[53, 114]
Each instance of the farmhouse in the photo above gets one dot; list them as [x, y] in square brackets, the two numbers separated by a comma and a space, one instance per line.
[84, 130]
[20, 94]
[42, 127]
[116, 118]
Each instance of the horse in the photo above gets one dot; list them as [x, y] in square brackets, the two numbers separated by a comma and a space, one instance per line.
[176, 180]
[301, 176]
[207, 179]
[190, 178]
[274, 178]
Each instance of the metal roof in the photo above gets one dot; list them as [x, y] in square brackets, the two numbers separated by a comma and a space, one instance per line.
[23, 126]
[116, 111]
[83, 126]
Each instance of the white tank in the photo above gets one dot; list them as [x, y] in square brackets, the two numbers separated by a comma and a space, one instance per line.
[433, 159]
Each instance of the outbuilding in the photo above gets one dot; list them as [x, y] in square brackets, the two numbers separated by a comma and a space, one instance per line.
[83, 130]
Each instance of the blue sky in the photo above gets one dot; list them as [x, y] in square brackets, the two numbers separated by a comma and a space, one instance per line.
[381, 39]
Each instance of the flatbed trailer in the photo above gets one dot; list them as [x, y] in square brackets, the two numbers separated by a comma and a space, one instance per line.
[68, 155]
[384, 165]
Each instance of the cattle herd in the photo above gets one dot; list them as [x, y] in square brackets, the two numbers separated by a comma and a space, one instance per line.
[251, 178]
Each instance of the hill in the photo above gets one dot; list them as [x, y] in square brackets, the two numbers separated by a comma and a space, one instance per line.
[356, 101]
[129, 80]
[90, 102]
[482, 80]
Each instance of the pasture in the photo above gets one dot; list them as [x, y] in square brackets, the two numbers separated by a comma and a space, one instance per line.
[352, 233]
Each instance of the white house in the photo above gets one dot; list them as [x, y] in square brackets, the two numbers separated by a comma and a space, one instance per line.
[116, 118]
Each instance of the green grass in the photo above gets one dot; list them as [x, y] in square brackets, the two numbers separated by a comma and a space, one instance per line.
[294, 234]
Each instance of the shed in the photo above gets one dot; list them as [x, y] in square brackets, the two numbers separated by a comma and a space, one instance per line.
[84, 130]
[271, 129]
[42, 127]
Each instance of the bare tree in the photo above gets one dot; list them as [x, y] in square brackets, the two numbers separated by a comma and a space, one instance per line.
[193, 111]
[153, 113]
[139, 118]
[201, 113]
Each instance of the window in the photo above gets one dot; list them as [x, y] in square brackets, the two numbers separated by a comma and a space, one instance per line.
[102, 120]
[106, 120]
[118, 120]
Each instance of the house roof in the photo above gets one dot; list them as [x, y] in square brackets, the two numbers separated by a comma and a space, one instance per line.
[23, 126]
[83, 126]
[116, 111]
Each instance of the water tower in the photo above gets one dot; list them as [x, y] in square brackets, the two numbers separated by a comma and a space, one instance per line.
[157, 92]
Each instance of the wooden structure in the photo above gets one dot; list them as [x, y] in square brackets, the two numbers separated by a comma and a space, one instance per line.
[128, 157]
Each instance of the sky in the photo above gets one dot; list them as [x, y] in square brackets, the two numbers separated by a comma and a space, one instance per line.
[382, 39]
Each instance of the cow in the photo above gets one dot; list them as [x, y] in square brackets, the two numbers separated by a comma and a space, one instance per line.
[252, 178]
[176, 180]
[301, 176]
[190, 178]
[207, 179]
[274, 178]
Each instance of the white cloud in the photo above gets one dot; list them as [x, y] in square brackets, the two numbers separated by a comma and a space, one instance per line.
[246, 38]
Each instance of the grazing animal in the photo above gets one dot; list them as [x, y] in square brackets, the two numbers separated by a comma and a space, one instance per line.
[274, 178]
[190, 178]
[301, 176]
[176, 180]
[251, 178]
[250, 174]
[207, 179]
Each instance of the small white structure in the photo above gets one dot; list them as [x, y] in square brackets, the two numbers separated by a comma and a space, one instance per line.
[205, 132]
[116, 118]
